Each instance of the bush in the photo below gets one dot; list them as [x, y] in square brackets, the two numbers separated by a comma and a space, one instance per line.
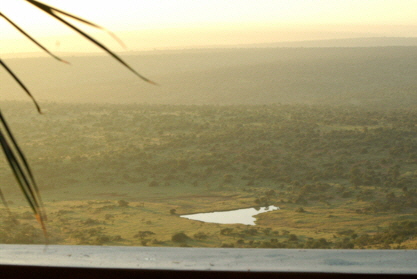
[200, 236]
[251, 231]
[292, 237]
[346, 243]
[116, 238]
[143, 234]
[109, 216]
[90, 221]
[101, 239]
[300, 210]
[226, 231]
[123, 203]
[180, 237]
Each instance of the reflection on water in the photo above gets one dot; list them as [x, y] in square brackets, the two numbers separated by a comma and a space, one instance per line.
[239, 216]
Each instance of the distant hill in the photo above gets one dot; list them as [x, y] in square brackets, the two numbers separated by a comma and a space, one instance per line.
[377, 76]
[349, 42]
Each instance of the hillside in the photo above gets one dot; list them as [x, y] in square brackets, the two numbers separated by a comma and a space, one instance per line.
[376, 76]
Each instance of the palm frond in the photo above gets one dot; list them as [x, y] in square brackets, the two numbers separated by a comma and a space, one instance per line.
[31, 38]
[21, 84]
[3, 200]
[55, 14]
[84, 21]
[13, 153]
[21, 172]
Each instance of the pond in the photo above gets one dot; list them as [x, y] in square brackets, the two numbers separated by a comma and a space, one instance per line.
[240, 216]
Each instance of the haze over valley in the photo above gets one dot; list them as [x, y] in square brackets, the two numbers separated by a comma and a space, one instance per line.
[376, 76]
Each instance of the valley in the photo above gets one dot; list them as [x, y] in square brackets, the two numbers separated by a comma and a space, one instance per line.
[343, 176]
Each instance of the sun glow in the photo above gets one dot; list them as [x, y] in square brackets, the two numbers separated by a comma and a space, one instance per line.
[187, 22]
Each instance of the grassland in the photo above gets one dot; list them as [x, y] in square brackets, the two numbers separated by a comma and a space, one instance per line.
[343, 176]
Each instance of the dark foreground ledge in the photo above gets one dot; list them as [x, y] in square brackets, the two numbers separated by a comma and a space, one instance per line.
[56, 261]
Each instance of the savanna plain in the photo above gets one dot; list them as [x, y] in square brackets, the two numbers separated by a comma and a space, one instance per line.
[339, 161]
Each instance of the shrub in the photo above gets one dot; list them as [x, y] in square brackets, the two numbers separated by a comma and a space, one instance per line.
[123, 203]
[156, 241]
[101, 239]
[109, 216]
[292, 237]
[226, 231]
[143, 234]
[200, 236]
[116, 238]
[346, 243]
[251, 231]
[179, 237]
[300, 210]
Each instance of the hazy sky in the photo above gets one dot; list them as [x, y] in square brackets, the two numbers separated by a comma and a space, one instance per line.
[173, 23]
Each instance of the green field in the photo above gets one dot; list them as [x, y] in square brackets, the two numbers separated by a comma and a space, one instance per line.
[343, 176]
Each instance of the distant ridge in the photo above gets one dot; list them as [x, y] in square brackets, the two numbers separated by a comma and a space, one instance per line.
[362, 76]
[348, 42]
